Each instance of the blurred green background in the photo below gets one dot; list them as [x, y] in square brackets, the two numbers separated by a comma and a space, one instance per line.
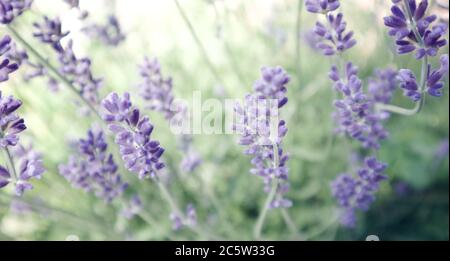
[239, 37]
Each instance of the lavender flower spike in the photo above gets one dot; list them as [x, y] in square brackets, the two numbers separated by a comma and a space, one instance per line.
[358, 192]
[254, 124]
[140, 153]
[6, 67]
[354, 111]
[412, 29]
[321, 6]
[30, 166]
[93, 169]
[10, 9]
[334, 38]
[10, 123]
[50, 31]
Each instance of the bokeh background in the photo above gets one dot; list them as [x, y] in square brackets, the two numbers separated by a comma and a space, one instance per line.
[239, 37]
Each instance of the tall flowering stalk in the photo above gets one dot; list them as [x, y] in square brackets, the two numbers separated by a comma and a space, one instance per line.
[156, 90]
[140, 153]
[75, 73]
[355, 113]
[93, 169]
[22, 164]
[255, 123]
[415, 31]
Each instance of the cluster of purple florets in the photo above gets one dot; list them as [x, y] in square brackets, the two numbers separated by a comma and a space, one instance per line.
[255, 119]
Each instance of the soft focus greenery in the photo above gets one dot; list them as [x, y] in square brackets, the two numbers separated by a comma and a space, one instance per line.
[239, 38]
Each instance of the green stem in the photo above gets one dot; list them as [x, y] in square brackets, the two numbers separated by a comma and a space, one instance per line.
[175, 209]
[262, 216]
[273, 191]
[11, 163]
[199, 43]
[43, 61]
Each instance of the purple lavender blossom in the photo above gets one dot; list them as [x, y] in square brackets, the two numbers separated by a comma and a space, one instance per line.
[6, 67]
[408, 83]
[109, 34]
[358, 192]
[30, 166]
[155, 89]
[382, 85]
[321, 6]
[10, 123]
[434, 84]
[5, 177]
[93, 169]
[140, 153]
[10, 9]
[79, 72]
[254, 123]
[50, 31]
[334, 38]
[17, 55]
[411, 28]
[354, 111]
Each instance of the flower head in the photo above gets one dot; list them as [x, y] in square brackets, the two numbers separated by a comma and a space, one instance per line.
[355, 114]
[155, 89]
[10, 123]
[50, 31]
[261, 131]
[93, 169]
[321, 6]
[357, 192]
[382, 85]
[79, 72]
[334, 37]
[140, 153]
[10, 9]
[412, 29]
[6, 66]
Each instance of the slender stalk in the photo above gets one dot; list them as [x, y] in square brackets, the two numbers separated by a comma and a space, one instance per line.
[262, 216]
[50, 67]
[11, 163]
[273, 191]
[289, 222]
[199, 43]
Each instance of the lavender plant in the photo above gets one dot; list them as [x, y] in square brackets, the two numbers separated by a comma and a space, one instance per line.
[254, 123]
[415, 31]
[355, 114]
[156, 90]
[93, 169]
